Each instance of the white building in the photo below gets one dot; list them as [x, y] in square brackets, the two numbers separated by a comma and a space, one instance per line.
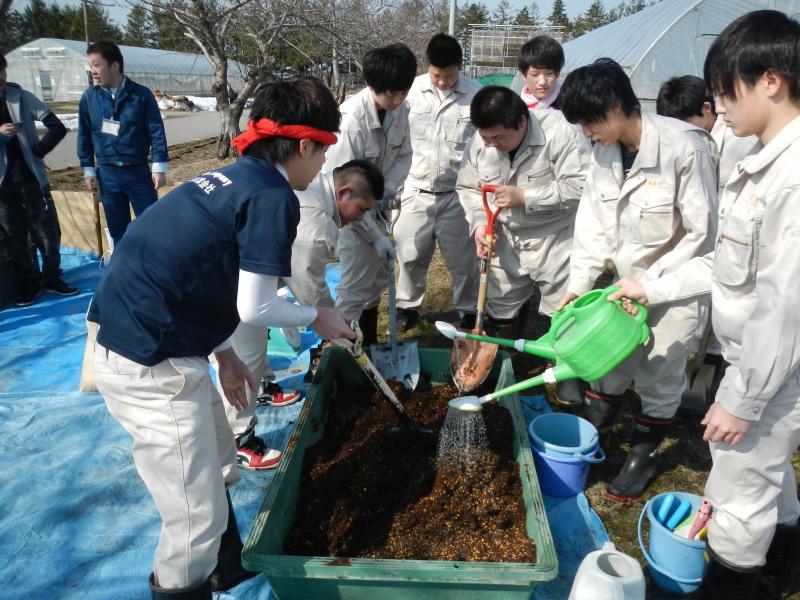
[56, 70]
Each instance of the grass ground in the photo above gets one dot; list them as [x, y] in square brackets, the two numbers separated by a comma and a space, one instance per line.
[685, 457]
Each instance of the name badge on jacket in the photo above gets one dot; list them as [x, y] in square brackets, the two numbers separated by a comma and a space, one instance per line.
[110, 126]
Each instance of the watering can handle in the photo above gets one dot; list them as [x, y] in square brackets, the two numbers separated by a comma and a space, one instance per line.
[641, 315]
[675, 577]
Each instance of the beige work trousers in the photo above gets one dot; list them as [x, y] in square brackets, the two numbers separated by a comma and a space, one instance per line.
[424, 219]
[184, 452]
[658, 369]
[250, 344]
[752, 484]
[521, 263]
[363, 273]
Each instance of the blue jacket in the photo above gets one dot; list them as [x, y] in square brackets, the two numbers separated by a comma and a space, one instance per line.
[140, 126]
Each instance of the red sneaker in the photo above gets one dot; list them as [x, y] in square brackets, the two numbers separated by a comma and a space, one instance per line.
[254, 455]
[274, 395]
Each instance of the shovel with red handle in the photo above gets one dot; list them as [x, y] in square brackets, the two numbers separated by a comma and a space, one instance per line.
[470, 360]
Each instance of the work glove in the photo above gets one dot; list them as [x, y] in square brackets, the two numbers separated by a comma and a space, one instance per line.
[390, 201]
[384, 248]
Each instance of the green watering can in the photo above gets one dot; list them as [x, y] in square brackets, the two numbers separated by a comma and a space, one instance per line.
[588, 339]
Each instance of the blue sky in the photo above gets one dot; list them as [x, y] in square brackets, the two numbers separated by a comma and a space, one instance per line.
[118, 9]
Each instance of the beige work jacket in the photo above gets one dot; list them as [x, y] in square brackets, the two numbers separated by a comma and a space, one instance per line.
[439, 131]
[753, 274]
[657, 218]
[550, 166]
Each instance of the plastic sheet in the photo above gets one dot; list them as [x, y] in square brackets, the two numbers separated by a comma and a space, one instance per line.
[75, 519]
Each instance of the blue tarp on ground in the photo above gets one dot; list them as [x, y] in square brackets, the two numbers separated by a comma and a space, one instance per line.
[75, 519]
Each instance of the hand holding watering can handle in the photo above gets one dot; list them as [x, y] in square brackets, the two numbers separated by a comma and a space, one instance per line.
[641, 315]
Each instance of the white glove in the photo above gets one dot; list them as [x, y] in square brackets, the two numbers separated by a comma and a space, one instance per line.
[384, 248]
[390, 200]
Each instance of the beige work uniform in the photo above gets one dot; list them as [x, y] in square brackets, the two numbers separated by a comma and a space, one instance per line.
[731, 149]
[430, 210]
[362, 136]
[185, 474]
[754, 278]
[315, 245]
[650, 223]
[533, 241]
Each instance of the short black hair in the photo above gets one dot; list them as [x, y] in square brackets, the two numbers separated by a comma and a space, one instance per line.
[497, 105]
[760, 41]
[444, 51]
[390, 68]
[589, 92]
[541, 52]
[3, 62]
[363, 176]
[301, 101]
[683, 97]
[109, 51]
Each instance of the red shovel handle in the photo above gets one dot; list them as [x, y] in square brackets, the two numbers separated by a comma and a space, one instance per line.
[489, 188]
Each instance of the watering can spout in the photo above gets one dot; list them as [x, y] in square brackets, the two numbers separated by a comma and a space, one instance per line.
[552, 375]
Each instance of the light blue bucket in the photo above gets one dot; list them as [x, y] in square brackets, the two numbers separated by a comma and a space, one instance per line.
[564, 476]
[676, 564]
[563, 435]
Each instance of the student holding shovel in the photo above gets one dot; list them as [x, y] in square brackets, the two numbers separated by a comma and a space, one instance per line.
[753, 274]
[539, 162]
[648, 205]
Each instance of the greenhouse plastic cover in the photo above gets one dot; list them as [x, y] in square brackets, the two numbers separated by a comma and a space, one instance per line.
[75, 519]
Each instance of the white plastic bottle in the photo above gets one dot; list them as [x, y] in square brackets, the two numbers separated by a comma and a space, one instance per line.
[610, 575]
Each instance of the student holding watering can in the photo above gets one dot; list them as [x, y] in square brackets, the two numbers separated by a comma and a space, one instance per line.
[753, 428]
[648, 206]
[538, 161]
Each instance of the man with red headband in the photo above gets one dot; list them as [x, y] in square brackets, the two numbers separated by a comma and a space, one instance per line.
[189, 268]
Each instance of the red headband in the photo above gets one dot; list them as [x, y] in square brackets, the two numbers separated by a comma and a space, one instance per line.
[266, 128]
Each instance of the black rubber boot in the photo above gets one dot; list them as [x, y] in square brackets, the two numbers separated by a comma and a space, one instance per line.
[201, 591]
[569, 394]
[503, 328]
[407, 318]
[467, 322]
[724, 581]
[642, 463]
[368, 322]
[602, 410]
[229, 571]
[782, 557]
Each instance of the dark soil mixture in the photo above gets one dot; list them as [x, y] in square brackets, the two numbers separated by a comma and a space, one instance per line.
[371, 488]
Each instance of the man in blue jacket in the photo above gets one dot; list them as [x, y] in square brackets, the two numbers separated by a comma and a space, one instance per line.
[26, 207]
[119, 124]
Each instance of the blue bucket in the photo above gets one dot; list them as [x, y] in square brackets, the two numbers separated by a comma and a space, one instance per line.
[676, 564]
[563, 476]
[563, 435]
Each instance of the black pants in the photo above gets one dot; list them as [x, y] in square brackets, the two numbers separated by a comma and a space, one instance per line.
[29, 218]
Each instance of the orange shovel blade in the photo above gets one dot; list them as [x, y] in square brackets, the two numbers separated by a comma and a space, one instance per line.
[471, 362]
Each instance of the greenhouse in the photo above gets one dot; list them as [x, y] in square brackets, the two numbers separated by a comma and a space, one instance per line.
[56, 70]
[665, 40]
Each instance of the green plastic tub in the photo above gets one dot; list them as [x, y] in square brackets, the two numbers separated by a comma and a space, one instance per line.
[315, 578]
